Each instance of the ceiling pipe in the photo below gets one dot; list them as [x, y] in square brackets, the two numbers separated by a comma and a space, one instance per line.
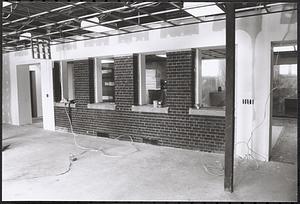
[63, 21]
[168, 26]
[43, 13]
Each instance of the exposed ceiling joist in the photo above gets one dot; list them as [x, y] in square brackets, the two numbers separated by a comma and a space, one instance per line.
[62, 22]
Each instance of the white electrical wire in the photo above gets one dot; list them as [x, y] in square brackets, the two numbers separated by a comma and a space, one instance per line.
[94, 149]
[265, 110]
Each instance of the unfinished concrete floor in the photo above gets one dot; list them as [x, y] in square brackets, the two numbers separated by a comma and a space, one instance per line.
[36, 156]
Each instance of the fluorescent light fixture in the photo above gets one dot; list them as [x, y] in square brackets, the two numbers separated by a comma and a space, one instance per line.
[107, 61]
[5, 3]
[86, 25]
[284, 49]
[163, 55]
[25, 36]
[206, 10]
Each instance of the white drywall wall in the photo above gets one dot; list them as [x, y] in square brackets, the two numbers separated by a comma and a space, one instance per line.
[47, 94]
[25, 58]
[24, 103]
[6, 105]
[253, 56]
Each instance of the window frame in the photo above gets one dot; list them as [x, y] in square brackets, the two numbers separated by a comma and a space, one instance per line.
[142, 105]
[64, 79]
[198, 89]
[98, 87]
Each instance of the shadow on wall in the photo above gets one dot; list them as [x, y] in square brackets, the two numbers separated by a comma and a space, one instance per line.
[178, 31]
[96, 42]
[142, 36]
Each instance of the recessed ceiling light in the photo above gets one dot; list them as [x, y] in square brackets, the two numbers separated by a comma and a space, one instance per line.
[206, 9]
[163, 55]
[5, 3]
[86, 25]
[284, 48]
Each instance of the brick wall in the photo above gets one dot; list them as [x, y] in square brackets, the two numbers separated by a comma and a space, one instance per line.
[175, 129]
[124, 93]
[179, 82]
[84, 82]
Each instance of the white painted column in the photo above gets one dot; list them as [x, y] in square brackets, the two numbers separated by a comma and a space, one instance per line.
[71, 90]
[142, 79]
[198, 78]
[98, 80]
[64, 80]
[47, 95]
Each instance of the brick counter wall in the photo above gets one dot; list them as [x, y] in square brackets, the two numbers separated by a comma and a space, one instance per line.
[175, 129]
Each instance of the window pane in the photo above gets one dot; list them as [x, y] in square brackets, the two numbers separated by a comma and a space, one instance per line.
[71, 90]
[155, 78]
[283, 69]
[108, 80]
[212, 78]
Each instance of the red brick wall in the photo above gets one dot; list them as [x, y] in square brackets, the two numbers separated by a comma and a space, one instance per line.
[175, 129]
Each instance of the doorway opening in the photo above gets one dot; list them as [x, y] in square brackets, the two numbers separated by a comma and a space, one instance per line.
[29, 95]
[36, 94]
[284, 100]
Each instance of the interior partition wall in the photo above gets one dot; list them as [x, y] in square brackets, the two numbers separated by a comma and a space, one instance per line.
[176, 128]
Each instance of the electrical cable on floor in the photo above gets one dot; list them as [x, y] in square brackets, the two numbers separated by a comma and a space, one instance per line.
[95, 149]
[249, 156]
[250, 150]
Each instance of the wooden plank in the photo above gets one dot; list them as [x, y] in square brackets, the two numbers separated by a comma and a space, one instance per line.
[230, 98]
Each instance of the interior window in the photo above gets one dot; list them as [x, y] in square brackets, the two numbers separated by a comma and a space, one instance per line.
[210, 78]
[104, 80]
[152, 79]
[63, 81]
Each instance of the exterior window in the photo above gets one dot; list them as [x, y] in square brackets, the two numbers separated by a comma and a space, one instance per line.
[210, 78]
[104, 80]
[152, 79]
[63, 81]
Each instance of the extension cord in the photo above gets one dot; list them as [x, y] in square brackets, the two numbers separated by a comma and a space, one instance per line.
[92, 149]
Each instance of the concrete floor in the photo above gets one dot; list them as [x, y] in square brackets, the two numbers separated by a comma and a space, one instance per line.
[285, 149]
[36, 156]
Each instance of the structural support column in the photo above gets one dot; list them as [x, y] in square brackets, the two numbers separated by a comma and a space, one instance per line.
[230, 98]
[98, 80]
[198, 78]
[298, 73]
[64, 80]
[142, 79]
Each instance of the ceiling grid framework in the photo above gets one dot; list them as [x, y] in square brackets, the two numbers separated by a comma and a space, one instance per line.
[62, 22]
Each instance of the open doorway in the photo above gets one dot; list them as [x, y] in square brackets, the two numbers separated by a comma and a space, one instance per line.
[36, 94]
[284, 103]
[29, 94]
